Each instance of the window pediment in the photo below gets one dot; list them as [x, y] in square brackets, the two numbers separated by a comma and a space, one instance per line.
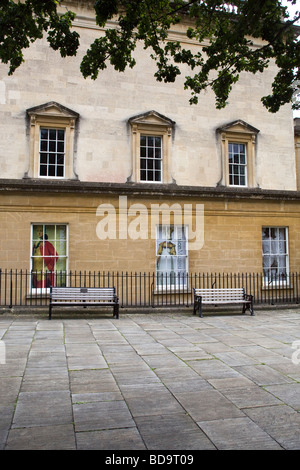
[52, 109]
[151, 118]
[238, 126]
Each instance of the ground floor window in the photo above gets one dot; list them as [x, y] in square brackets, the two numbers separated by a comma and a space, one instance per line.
[49, 255]
[171, 255]
[275, 254]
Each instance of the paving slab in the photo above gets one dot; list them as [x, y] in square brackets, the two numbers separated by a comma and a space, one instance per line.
[238, 434]
[262, 374]
[60, 437]
[281, 422]
[39, 379]
[208, 405]
[92, 380]
[160, 403]
[287, 393]
[111, 439]
[43, 409]
[172, 432]
[93, 416]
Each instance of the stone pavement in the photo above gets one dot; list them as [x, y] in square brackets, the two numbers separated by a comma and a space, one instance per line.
[159, 381]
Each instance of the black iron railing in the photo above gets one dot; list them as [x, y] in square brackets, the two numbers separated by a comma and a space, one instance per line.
[28, 288]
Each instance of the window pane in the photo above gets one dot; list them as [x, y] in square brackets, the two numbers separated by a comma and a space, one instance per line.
[60, 147]
[43, 170]
[157, 164]
[50, 232]
[157, 176]
[52, 146]
[60, 134]
[51, 170]
[281, 233]
[150, 175]
[52, 134]
[44, 158]
[61, 232]
[60, 158]
[60, 170]
[44, 134]
[61, 247]
[44, 145]
[52, 158]
[242, 181]
[242, 159]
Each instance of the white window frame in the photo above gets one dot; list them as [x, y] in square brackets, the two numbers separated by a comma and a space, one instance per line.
[165, 278]
[145, 155]
[269, 280]
[53, 152]
[232, 164]
[44, 289]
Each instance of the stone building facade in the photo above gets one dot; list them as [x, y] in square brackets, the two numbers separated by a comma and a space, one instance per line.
[123, 174]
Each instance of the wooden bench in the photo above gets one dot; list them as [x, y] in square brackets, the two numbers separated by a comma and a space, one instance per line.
[84, 296]
[222, 296]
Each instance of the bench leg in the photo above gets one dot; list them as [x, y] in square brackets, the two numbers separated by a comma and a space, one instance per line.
[251, 307]
[197, 306]
[50, 311]
[116, 310]
[200, 308]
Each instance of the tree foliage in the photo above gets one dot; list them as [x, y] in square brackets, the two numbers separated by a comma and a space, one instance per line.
[22, 23]
[226, 30]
